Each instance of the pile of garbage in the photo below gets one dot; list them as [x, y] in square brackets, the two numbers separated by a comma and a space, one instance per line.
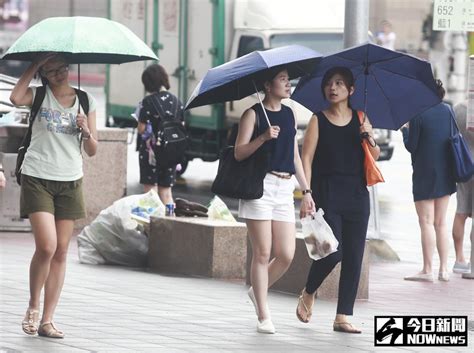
[118, 235]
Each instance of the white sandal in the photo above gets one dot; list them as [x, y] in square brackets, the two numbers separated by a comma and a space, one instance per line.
[31, 322]
[53, 332]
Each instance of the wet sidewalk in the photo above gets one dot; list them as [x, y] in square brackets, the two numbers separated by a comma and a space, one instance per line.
[116, 309]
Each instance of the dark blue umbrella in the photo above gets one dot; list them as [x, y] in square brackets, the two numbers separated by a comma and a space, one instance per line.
[241, 77]
[391, 87]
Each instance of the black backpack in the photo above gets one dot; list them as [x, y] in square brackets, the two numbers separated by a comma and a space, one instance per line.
[38, 100]
[171, 137]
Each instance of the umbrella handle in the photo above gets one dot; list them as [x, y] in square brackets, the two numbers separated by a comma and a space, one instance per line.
[79, 129]
[261, 103]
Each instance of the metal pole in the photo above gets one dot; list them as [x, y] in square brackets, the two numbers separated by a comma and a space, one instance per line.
[457, 84]
[356, 30]
[356, 22]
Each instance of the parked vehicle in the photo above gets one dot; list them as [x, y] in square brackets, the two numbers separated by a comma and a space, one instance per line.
[192, 36]
[6, 86]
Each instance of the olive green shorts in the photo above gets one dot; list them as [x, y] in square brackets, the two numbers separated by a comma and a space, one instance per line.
[63, 199]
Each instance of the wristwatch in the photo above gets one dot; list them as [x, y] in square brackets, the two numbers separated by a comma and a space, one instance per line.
[307, 191]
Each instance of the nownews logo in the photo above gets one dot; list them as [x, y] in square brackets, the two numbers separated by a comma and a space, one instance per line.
[420, 331]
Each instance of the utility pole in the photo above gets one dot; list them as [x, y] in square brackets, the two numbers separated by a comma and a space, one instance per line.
[71, 8]
[356, 22]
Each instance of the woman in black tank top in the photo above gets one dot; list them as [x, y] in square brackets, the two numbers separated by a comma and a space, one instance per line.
[333, 161]
[271, 219]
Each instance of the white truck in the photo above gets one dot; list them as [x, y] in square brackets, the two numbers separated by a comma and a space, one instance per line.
[191, 36]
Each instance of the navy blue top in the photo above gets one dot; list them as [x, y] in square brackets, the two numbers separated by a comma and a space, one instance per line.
[281, 149]
[339, 150]
[427, 140]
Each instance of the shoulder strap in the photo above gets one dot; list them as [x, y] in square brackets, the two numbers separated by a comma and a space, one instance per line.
[83, 100]
[361, 116]
[39, 98]
[35, 107]
[257, 122]
[176, 106]
[454, 124]
[157, 105]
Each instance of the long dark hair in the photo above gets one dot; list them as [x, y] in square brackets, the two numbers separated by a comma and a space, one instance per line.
[440, 89]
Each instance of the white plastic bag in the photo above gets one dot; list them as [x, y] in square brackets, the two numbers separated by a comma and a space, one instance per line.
[318, 236]
[218, 210]
[114, 237]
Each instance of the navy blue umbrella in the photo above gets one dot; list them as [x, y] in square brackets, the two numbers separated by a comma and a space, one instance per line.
[391, 87]
[244, 76]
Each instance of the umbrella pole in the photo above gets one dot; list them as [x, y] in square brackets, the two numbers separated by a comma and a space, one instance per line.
[261, 103]
[366, 73]
[79, 83]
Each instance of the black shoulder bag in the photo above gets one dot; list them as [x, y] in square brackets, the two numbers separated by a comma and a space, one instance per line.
[39, 97]
[241, 179]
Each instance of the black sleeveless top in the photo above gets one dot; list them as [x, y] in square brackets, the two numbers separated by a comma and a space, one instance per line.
[281, 150]
[339, 151]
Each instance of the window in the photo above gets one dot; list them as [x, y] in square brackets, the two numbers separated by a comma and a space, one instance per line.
[324, 43]
[248, 44]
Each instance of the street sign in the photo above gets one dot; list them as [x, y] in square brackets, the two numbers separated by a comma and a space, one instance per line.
[453, 15]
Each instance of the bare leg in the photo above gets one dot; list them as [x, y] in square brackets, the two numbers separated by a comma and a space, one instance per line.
[148, 187]
[44, 231]
[441, 229]
[458, 235]
[260, 233]
[55, 280]
[283, 240]
[425, 211]
[165, 194]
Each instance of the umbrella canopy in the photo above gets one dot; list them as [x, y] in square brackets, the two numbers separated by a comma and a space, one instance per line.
[241, 77]
[84, 40]
[391, 87]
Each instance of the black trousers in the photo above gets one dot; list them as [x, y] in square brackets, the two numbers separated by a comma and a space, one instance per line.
[346, 206]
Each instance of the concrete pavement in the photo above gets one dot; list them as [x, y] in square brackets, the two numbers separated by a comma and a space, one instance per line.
[117, 309]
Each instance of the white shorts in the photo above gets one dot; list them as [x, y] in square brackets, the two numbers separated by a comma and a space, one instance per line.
[276, 204]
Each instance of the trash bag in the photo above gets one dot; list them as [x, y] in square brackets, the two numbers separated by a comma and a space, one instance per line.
[318, 236]
[218, 210]
[114, 237]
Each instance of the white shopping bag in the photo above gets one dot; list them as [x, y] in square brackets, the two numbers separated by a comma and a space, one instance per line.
[318, 236]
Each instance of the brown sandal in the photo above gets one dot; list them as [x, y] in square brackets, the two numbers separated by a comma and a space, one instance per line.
[52, 332]
[30, 322]
[345, 327]
[309, 311]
